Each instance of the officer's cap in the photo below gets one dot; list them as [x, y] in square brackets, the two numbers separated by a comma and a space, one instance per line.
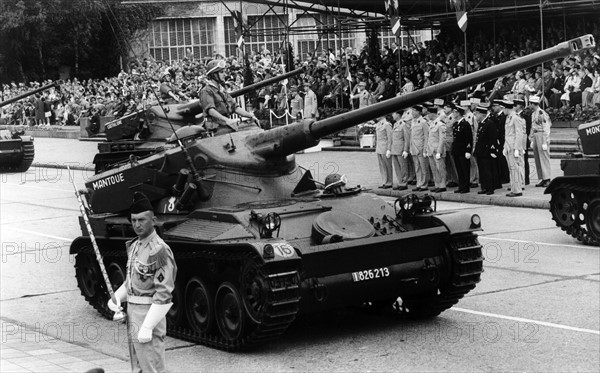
[534, 100]
[507, 104]
[140, 203]
[460, 109]
[519, 101]
[483, 108]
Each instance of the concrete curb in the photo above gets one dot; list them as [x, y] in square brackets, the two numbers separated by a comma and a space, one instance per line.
[473, 197]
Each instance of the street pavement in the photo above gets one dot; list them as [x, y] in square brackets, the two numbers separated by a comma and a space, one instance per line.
[538, 300]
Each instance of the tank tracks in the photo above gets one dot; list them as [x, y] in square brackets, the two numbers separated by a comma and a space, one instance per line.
[466, 266]
[26, 161]
[281, 306]
[577, 230]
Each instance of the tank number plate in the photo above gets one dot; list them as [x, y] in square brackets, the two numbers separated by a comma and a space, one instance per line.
[370, 274]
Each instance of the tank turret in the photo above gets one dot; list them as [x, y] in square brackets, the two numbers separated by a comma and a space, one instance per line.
[16, 149]
[258, 242]
[151, 127]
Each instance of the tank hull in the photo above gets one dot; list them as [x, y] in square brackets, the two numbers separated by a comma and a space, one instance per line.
[16, 155]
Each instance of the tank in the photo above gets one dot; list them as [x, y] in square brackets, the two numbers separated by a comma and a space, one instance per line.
[16, 149]
[142, 132]
[575, 201]
[258, 241]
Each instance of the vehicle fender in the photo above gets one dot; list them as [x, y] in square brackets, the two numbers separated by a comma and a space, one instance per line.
[78, 244]
[586, 181]
[457, 221]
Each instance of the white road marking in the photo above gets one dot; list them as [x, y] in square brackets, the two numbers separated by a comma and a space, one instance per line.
[38, 234]
[520, 319]
[582, 246]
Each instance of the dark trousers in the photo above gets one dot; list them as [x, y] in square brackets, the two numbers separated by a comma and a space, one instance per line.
[486, 173]
[463, 169]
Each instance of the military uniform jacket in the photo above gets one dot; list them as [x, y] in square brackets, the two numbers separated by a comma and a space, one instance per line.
[463, 138]
[540, 122]
[400, 138]
[151, 271]
[436, 137]
[212, 96]
[418, 135]
[514, 134]
[383, 137]
[487, 139]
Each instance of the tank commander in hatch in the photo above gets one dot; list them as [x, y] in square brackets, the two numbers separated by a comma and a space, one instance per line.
[217, 102]
[147, 289]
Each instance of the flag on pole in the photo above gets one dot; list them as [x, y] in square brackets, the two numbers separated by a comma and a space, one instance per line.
[238, 23]
[461, 13]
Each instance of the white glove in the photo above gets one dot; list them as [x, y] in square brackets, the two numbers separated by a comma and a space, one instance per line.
[404, 154]
[468, 155]
[388, 153]
[517, 155]
[155, 314]
[493, 155]
[544, 146]
[438, 156]
[505, 152]
[115, 307]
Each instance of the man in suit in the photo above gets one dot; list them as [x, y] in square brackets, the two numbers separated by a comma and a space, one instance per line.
[418, 136]
[514, 148]
[462, 148]
[399, 150]
[540, 141]
[486, 150]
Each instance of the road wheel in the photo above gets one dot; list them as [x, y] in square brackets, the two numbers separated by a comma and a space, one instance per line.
[564, 207]
[592, 219]
[229, 312]
[176, 313]
[88, 274]
[199, 305]
[255, 288]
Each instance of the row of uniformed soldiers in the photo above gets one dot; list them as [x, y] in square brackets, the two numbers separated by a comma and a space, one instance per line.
[464, 145]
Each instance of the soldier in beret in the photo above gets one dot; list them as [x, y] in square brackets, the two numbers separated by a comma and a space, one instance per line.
[147, 289]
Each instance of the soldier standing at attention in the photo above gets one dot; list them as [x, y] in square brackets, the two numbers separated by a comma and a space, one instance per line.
[147, 289]
[486, 151]
[436, 153]
[514, 148]
[310, 102]
[400, 148]
[218, 105]
[540, 141]
[462, 148]
[418, 135]
[383, 149]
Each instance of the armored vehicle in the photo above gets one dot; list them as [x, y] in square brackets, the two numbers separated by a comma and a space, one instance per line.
[258, 241]
[575, 202]
[142, 132]
[16, 149]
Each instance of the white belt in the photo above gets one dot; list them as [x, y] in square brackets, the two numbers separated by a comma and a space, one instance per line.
[136, 299]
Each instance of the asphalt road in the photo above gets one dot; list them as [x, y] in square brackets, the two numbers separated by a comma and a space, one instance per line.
[536, 309]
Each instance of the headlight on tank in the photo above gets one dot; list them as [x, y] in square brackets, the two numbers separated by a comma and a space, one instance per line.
[268, 252]
[475, 221]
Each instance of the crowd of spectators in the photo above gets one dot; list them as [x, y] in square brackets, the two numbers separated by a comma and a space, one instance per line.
[341, 80]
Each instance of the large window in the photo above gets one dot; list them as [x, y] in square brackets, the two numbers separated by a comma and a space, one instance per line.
[266, 31]
[387, 37]
[169, 39]
[327, 30]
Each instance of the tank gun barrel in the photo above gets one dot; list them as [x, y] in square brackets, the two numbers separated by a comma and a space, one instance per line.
[27, 94]
[266, 82]
[289, 139]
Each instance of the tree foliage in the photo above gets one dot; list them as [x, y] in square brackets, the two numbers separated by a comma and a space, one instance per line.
[374, 49]
[39, 37]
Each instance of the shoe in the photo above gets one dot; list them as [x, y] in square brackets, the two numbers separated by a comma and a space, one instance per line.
[401, 187]
[482, 192]
[434, 190]
[451, 184]
[440, 190]
[540, 184]
[458, 191]
[464, 191]
[546, 183]
[385, 186]
[489, 192]
[474, 185]
[511, 194]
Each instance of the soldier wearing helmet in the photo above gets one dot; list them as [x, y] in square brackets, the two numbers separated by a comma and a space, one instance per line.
[217, 103]
[168, 92]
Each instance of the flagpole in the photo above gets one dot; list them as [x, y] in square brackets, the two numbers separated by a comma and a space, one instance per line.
[466, 63]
